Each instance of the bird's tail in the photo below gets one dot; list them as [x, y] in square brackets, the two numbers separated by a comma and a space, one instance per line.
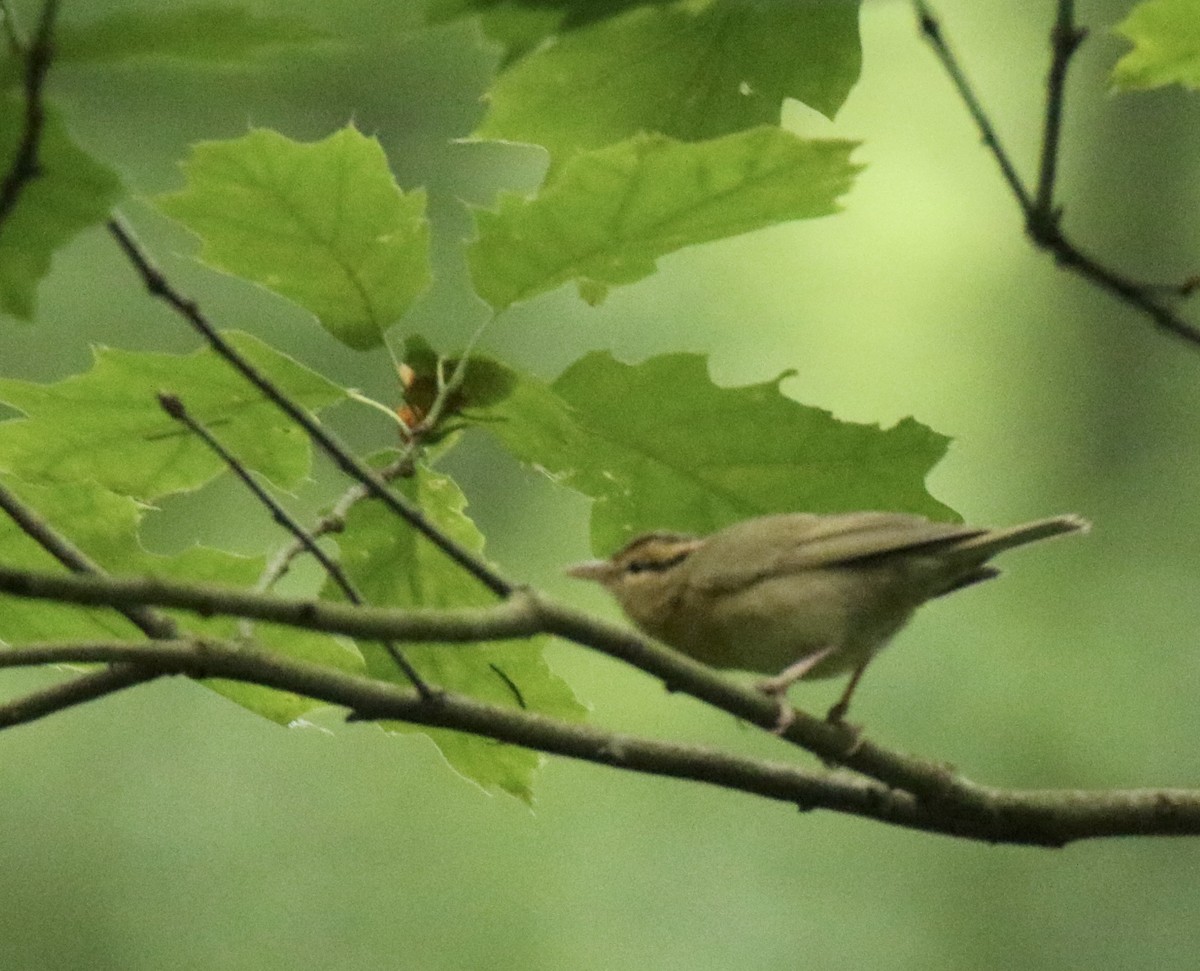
[994, 541]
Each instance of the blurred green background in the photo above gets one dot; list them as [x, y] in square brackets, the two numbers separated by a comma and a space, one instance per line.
[167, 828]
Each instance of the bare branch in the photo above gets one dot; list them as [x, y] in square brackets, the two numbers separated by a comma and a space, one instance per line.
[1041, 215]
[931, 30]
[524, 615]
[68, 694]
[151, 623]
[1030, 817]
[1065, 39]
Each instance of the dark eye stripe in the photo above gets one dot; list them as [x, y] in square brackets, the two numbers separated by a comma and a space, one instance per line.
[657, 566]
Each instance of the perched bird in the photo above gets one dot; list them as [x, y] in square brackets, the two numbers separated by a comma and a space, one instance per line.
[801, 595]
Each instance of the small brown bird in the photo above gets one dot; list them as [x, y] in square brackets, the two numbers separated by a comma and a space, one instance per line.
[801, 595]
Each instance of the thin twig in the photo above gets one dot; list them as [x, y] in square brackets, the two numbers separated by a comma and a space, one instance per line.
[1065, 39]
[335, 519]
[1042, 222]
[77, 691]
[25, 166]
[158, 286]
[174, 407]
[931, 29]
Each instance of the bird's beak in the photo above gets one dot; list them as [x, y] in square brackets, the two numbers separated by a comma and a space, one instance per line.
[598, 570]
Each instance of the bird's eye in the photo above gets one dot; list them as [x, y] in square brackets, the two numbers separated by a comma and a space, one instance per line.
[639, 566]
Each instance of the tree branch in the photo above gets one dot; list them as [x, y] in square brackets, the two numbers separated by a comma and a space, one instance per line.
[158, 286]
[1065, 39]
[1030, 817]
[151, 623]
[525, 615]
[76, 691]
[174, 407]
[1042, 216]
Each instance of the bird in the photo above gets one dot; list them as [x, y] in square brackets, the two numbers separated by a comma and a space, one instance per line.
[801, 595]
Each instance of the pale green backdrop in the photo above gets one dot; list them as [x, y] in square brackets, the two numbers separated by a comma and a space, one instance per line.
[168, 829]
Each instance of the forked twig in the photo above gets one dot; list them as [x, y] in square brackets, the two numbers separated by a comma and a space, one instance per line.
[158, 286]
[1042, 215]
[174, 407]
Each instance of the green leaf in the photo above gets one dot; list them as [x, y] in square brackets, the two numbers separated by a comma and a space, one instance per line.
[285, 707]
[106, 425]
[211, 32]
[517, 27]
[1166, 46]
[659, 446]
[72, 192]
[323, 224]
[391, 565]
[105, 527]
[609, 215]
[100, 523]
[679, 70]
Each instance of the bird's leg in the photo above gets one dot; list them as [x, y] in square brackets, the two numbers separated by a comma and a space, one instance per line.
[835, 714]
[777, 687]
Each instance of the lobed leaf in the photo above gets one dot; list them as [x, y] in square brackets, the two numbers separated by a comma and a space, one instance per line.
[683, 70]
[106, 425]
[658, 445]
[71, 193]
[608, 215]
[323, 224]
[1166, 46]
[391, 565]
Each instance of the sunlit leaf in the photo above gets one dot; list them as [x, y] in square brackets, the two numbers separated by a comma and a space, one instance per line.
[106, 425]
[687, 71]
[608, 215]
[1166, 45]
[323, 224]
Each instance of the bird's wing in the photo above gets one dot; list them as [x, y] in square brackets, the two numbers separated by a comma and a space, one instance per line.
[777, 545]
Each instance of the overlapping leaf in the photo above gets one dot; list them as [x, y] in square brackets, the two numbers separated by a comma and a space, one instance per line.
[323, 224]
[1166, 45]
[391, 566]
[608, 215]
[106, 425]
[684, 70]
[659, 446]
[72, 192]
